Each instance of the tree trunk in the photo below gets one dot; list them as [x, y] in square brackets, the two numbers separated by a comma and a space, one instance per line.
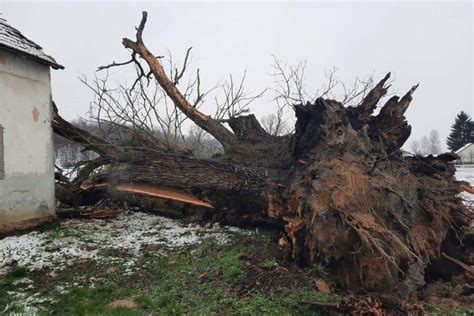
[348, 197]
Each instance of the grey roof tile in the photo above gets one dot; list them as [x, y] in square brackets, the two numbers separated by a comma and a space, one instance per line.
[12, 39]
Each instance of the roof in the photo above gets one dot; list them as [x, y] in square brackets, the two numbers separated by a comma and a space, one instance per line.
[464, 147]
[11, 39]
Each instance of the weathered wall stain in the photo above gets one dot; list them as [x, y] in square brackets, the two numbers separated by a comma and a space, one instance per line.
[36, 114]
[27, 191]
[24, 224]
[3, 59]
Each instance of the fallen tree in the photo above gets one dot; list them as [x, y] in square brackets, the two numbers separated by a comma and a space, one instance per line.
[339, 187]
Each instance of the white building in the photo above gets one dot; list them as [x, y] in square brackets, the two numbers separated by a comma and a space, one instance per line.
[26, 139]
[466, 154]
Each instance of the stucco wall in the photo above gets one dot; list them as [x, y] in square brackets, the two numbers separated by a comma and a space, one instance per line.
[27, 191]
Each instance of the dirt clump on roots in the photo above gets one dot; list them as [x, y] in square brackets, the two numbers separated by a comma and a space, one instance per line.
[373, 217]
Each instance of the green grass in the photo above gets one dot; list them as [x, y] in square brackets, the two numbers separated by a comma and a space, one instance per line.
[16, 273]
[199, 280]
[204, 279]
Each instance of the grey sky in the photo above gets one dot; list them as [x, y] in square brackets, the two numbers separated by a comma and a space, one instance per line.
[430, 43]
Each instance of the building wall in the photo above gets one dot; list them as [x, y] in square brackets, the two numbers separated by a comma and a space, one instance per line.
[27, 189]
[467, 155]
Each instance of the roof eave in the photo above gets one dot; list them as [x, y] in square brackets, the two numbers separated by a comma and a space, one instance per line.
[463, 148]
[43, 61]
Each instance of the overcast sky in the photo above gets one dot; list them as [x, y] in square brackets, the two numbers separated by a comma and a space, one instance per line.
[429, 43]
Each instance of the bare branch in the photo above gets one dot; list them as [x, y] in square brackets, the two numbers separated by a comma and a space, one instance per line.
[114, 64]
[236, 100]
[141, 27]
[177, 76]
[207, 123]
[290, 86]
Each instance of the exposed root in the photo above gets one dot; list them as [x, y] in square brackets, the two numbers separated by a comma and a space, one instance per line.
[469, 269]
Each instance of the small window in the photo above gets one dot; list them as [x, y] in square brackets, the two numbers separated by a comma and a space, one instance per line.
[2, 161]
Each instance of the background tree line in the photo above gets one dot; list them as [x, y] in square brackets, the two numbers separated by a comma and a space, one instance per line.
[462, 133]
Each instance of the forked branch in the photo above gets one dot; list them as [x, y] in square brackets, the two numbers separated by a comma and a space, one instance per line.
[213, 127]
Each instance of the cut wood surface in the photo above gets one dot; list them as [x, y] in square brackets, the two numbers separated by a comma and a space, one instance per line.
[161, 192]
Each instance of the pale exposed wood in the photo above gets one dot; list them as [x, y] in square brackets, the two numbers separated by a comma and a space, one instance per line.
[161, 192]
[150, 190]
[467, 188]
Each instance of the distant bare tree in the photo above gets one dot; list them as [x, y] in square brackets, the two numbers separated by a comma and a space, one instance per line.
[274, 125]
[415, 148]
[428, 145]
[201, 143]
[434, 143]
[425, 145]
[69, 153]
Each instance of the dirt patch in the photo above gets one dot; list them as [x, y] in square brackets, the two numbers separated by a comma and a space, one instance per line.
[267, 269]
[25, 225]
[322, 286]
[126, 303]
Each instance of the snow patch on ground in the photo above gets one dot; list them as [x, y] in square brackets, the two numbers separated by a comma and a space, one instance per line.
[26, 302]
[94, 239]
[118, 242]
[466, 173]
